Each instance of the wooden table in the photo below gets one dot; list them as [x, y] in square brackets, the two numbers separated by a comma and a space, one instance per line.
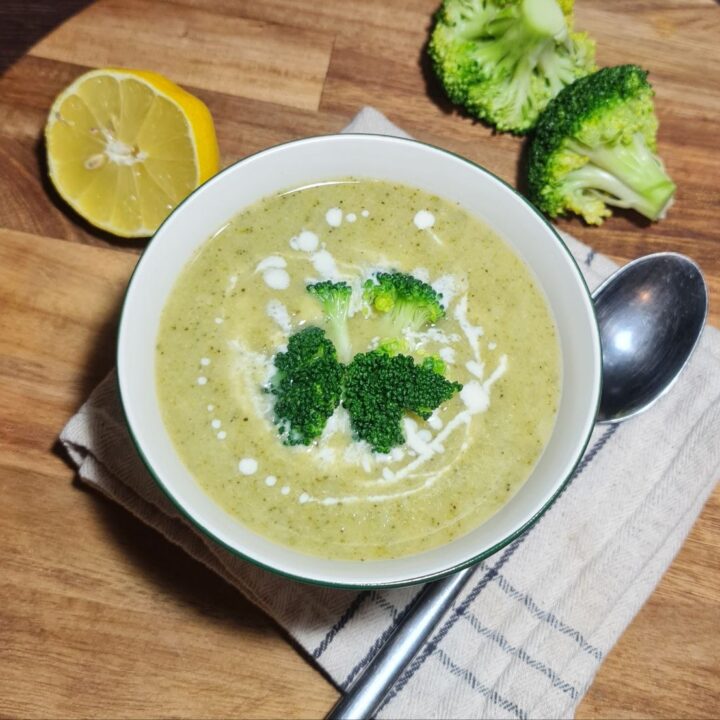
[99, 617]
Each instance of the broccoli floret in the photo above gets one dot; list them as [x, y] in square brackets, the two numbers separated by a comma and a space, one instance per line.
[408, 304]
[504, 60]
[379, 388]
[391, 346]
[434, 363]
[375, 384]
[429, 389]
[595, 146]
[334, 298]
[307, 386]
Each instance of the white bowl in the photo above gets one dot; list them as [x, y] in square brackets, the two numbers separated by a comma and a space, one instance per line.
[386, 158]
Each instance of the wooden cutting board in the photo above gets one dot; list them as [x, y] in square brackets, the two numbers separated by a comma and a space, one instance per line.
[98, 615]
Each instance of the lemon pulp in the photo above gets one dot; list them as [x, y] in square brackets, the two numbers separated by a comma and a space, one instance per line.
[125, 147]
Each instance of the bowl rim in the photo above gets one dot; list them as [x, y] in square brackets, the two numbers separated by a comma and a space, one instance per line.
[427, 577]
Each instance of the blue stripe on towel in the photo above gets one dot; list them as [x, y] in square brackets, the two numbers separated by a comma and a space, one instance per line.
[548, 617]
[518, 652]
[475, 684]
[379, 642]
[382, 602]
[458, 611]
[341, 623]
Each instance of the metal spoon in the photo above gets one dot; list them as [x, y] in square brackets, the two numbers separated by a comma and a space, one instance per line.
[650, 314]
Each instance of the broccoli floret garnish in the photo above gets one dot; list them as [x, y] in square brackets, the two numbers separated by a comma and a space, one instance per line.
[380, 388]
[504, 60]
[595, 146]
[391, 346]
[334, 298]
[307, 386]
[434, 363]
[407, 303]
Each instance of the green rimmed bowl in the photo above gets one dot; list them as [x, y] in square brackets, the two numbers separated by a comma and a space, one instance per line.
[433, 170]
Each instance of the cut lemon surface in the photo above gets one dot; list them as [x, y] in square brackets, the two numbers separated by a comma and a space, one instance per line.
[124, 147]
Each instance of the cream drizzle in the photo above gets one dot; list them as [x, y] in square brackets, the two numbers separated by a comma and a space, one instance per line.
[447, 355]
[334, 217]
[307, 241]
[325, 265]
[271, 261]
[256, 369]
[273, 272]
[277, 278]
[448, 286]
[472, 332]
[279, 314]
[425, 220]
[322, 259]
[248, 466]
[418, 340]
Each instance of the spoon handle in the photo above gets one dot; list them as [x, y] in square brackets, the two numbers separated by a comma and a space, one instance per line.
[367, 692]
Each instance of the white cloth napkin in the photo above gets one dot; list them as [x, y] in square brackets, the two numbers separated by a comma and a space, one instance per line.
[528, 633]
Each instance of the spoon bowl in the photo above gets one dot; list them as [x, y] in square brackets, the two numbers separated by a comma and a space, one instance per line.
[650, 314]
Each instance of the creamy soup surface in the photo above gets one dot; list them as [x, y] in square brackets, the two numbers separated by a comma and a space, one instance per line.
[235, 305]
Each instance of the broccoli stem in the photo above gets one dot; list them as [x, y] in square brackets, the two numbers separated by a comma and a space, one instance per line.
[513, 42]
[557, 71]
[544, 18]
[339, 334]
[628, 175]
[334, 298]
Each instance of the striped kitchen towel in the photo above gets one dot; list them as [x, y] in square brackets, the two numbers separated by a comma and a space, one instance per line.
[530, 629]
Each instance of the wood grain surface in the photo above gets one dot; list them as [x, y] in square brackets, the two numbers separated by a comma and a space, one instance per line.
[100, 617]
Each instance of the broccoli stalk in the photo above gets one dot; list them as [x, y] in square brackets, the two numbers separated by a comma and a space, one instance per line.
[407, 304]
[334, 298]
[624, 175]
[595, 146]
[505, 59]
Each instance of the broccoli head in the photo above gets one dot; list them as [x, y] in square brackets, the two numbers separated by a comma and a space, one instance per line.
[379, 388]
[504, 60]
[408, 304]
[307, 386]
[594, 146]
[334, 298]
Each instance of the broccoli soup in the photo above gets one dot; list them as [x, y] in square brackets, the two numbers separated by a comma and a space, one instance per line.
[358, 369]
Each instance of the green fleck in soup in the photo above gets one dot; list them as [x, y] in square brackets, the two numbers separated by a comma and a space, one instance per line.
[243, 296]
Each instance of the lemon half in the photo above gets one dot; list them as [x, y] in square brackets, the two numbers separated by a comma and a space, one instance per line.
[124, 147]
